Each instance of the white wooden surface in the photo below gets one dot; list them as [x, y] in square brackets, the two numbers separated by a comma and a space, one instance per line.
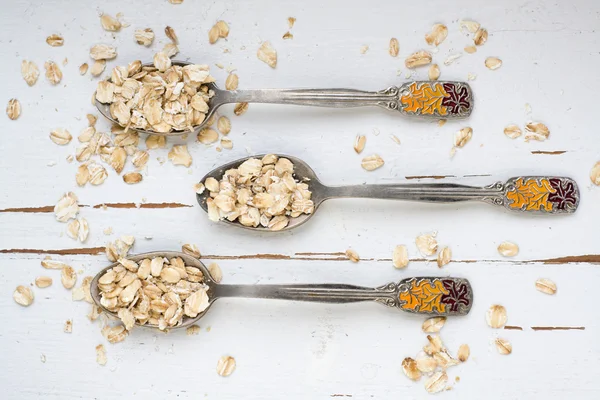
[301, 351]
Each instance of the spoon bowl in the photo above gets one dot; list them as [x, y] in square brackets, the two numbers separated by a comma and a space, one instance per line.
[549, 195]
[426, 99]
[187, 259]
[302, 172]
[447, 296]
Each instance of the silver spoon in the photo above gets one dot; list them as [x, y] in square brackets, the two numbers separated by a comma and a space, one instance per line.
[430, 296]
[526, 194]
[429, 99]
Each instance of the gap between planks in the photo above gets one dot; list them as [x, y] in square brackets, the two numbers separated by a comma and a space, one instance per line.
[320, 256]
[49, 209]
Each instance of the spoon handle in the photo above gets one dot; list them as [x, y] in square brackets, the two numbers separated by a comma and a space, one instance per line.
[422, 295]
[323, 293]
[419, 98]
[540, 194]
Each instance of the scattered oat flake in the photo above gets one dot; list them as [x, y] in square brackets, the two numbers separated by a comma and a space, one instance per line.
[13, 109]
[191, 249]
[480, 36]
[213, 34]
[433, 324]
[267, 54]
[359, 143]
[179, 155]
[83, 68]
[84, 230]
[68, 277]
[536, 131]
[29, 72]
[438, 34]
[109, 23]
[53, 72]
[470, 26]
[66, 208]
[176, 1]
[98, 67]
[427, 244]
[508, 249]
[364, 49]
[291, 22]
[400, 256]
[496, 316]
[352, 255]
[287, 35]
[227, 143]
[394, 47]
[53, 264]
[418, 59]
[215, 272]
[207, 136]
[223, 28]
[240, 108]
[43, 358]
[101, 355]
[225, 365]
[144, 37]
[470, 49]
[43, 281]
[434, 72]
[98, 174]
[493, 63]
[224, 125]
[395, 138]
[462, 137]
[132, 178]
[55, 40]
[192, 330]
[437, 382]
[231, 83]
[23, 296]
[103, 52]
[451, 58]
[68, 326]
[444, 257]
[463, 352]
[170, 32]
[409, 367]
[512, 131]
[60, 136]
[503, 346]
[545, 286]
[595, 174]
[371, 163]
[156, 142]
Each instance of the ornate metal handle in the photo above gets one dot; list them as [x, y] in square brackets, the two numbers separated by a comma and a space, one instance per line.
[540, 194]
[433, 99]
[322, 293]
[339, 98]
[424, 295]
[428, 192]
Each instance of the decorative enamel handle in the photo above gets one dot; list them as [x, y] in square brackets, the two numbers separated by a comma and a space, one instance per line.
[424, 295]
[431, 99]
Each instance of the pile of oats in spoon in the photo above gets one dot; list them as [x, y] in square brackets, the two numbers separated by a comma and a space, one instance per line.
[259, 192]
[161, 97]
[158, 292]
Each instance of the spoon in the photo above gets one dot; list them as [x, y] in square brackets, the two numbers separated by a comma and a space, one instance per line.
[429, 99]
[525, 194]
[431, 296]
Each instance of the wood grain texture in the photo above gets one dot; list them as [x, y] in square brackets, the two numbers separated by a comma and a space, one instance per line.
[293, 350]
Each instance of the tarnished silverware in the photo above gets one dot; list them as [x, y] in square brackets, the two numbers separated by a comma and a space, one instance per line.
[527, 194]
[427, 99]
[430, 296]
